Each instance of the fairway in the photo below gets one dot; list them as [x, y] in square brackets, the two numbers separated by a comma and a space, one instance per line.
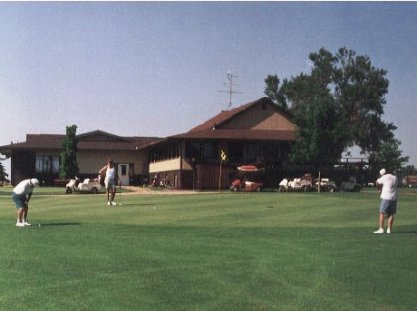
[208, 251]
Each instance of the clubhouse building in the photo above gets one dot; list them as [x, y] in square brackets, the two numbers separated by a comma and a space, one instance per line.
[258, 133]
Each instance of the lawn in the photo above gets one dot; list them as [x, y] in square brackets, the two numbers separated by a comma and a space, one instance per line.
[228, 251]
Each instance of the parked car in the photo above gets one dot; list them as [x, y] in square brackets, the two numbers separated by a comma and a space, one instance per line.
[247, 179]
[410, 181]
[87, 186]
[351, 185]
[304, 183]
[326, 185]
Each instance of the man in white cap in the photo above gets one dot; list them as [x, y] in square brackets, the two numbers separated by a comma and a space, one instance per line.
[21, 196]
[388, 206]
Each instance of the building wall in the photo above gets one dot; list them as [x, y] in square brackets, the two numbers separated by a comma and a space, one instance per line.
[208, 177]
[260, 117]
[167, 165]
[170, 165]
[90, 162]
[22, 166]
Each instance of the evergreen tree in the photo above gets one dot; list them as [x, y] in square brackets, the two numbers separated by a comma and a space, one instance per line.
[69, 166]
[3, 174]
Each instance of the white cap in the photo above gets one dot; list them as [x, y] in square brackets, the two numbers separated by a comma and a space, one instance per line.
[34, 182]
[382, 172]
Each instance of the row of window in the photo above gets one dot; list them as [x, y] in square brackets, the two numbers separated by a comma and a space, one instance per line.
[165, 152]
[50, 164]
[209, 152]
[47, 164]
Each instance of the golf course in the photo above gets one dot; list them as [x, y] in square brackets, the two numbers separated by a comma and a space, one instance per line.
[208, 251]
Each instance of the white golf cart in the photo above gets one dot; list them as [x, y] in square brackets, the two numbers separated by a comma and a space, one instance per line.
[304, 184]
[87, 186]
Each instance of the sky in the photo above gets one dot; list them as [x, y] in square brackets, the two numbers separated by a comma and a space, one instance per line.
[156, 68]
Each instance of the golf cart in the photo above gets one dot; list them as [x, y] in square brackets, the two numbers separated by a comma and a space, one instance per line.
[245, 179]
[326, 185]
[351, 185]
[87, 186]
[304, 183]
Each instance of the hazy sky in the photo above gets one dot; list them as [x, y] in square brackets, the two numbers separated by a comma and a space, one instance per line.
[155, 68]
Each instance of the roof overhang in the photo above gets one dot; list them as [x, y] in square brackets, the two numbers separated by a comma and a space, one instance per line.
[261, 135]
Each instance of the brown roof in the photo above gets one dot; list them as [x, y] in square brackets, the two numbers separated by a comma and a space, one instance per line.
[226, 115]
[85, 142]
[211, 129]
[239, 135]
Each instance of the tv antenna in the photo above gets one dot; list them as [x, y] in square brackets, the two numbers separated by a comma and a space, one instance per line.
[229, 85]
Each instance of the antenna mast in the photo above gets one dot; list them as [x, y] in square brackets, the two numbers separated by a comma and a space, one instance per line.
[230, 86]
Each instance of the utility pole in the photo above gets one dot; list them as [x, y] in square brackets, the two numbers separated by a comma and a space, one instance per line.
[229, 85]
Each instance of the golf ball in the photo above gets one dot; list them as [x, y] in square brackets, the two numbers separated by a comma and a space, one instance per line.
[39, 225]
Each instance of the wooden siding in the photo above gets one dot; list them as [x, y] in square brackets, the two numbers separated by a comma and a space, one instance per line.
[22, 166]
[90, 162]
[260, 117]
[207, 177]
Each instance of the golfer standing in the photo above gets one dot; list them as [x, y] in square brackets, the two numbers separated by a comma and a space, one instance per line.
[388, 206]
[21, 196]
[109, 181]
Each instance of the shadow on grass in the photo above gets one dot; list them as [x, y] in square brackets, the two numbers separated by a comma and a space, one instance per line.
[59, 224]
[137, 204]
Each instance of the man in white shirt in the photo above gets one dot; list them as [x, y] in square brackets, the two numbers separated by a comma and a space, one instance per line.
[110, 173]
[21, 196]
[388, 206]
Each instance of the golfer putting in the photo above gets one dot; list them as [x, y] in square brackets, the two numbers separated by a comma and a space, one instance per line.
[21, 196]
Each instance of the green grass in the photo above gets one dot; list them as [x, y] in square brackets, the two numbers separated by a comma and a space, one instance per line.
[229, 251]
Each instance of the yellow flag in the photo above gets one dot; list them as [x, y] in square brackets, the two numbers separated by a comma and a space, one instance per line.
[223, 155]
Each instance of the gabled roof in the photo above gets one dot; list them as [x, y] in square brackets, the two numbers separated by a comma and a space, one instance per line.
[216, 128]
[99, 135]
[227, 115]
[95, 140]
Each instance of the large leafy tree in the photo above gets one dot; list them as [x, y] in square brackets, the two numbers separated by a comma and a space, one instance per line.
[274, 92]
[321, 135]
[69, 166]
[389, 156]
[360, 91]
[357, 90]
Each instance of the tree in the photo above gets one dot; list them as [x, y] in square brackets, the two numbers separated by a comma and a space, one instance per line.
[3, 174]
[321, 137]
[69, 166]
[357, 91]
[388, 156]
[360, 91]
[273, 91]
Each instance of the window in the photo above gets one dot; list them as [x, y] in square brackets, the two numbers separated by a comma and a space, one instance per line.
[47, 164]
[253, 153]
[123, 170]
[210, 152]
[165, 152]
